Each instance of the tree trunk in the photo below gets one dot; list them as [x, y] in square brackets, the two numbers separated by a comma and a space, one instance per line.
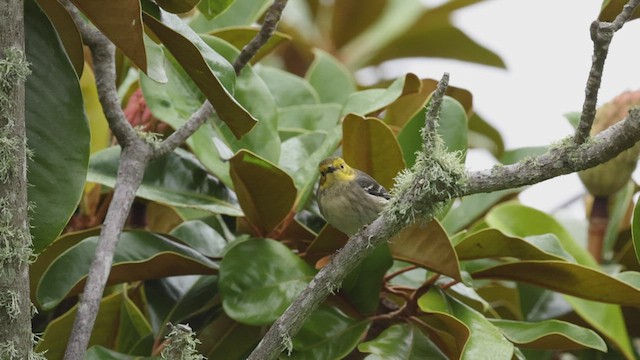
[15, 240]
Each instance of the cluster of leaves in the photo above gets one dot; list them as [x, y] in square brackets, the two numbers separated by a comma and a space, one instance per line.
[225, 232]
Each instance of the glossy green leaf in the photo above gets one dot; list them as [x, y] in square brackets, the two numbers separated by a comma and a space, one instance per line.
[252, 93]
[428, 247]
[452, 127]
[513, 156]
[304, 119]
[401, 342]
[173, 103]
[483, 135]
[635, 230]
[619, 206]
[155, 60]
[447, 331]
[54, 339]
[611, 9]
[99, 127]
[363, 284]
[67, 31]
[258, 292]
[178, 298]
[54, 114]
[409, 29]
[176, 179]
[493, 243]
[369, 101]
[213, 74]
[350, 18]
[485, 340]
[369, 145]
[178, 6]
[550, 334]
[212, 8]
[133, 327]
[121, 22]
[191, 52]
[521, 221]
[437, 39]
[240, 13]
[327, 334]
[286, 88]
[98, 352]
[225, 338]
[605, 318]
[139, 255]
[472, 207]
[265, 192]
[51, 253]
[200, 237]
[567, 278]
[325, 66]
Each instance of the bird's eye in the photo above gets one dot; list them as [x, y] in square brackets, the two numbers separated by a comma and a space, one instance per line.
[341, 166]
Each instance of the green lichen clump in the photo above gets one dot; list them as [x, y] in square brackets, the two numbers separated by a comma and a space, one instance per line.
[13, 70]
[420, 193]
[15, 240]
[181, 344]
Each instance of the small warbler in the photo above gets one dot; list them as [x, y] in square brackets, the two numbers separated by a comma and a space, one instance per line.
[348, 198]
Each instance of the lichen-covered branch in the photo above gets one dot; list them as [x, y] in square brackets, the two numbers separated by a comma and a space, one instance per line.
[601, 35]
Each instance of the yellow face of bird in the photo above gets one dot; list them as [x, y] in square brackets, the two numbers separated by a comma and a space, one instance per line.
[334, 169]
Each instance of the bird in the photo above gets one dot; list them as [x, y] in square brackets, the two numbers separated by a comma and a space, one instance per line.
[348, 198]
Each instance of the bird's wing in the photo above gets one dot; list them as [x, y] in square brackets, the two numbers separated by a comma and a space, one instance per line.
[371, 186]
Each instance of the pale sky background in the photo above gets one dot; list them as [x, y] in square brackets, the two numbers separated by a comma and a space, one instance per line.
[547, 48]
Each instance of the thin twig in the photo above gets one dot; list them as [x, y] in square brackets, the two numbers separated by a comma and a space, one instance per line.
[399, 272]
[269, 25]
[601, 35]
[431, 118]
[185, 131]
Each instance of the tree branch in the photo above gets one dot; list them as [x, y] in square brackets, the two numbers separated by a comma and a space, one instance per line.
[133, 161]
[601, 35]
[136, 154]
[431, 118]
[271, 20]
[563, 159]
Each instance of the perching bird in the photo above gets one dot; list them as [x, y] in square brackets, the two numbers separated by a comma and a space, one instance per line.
[348, 198]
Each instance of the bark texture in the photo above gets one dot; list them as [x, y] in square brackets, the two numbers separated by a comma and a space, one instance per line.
[15, 240]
